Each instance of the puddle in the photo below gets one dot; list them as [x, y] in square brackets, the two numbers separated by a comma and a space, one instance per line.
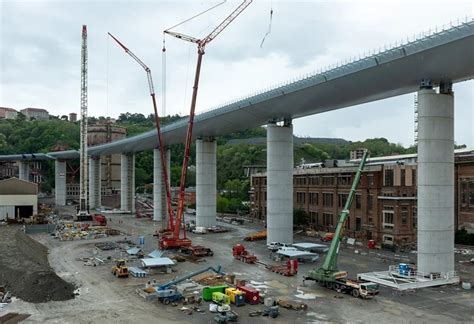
[302, 295]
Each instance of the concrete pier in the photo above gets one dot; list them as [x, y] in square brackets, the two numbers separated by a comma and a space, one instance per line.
[206, 182]
[435, 181]
[127, 183]
[159, 190]
[280, 183]
[24, 171]
[60, 182]
[94, 183]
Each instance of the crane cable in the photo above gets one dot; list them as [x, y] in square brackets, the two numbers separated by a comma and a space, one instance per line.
[195, 16]
[269, 27]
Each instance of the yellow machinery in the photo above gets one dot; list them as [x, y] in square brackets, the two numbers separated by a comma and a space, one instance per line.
[220, 298]
[120, 270]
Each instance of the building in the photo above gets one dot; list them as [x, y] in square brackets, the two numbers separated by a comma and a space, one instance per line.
[8, 113]
[385, 205]
[8, 170]
[357, 154]
[18, 199]
[110, 164]
[73, 117]
[250, 170]
[35, 113]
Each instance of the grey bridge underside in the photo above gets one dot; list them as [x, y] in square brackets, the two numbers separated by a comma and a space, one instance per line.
[444, 56]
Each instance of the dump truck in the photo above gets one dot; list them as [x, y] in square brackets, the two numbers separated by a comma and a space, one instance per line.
[329, 275]
[240, 253]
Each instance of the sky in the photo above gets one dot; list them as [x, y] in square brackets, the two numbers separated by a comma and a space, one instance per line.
[40, 43]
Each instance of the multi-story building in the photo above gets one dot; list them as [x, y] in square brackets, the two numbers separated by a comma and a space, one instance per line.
[385, 205]
[357, 154]
[35, 113]
[8, 113]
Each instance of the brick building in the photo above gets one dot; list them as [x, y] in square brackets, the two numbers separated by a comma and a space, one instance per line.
[8, 113]
[385, 205]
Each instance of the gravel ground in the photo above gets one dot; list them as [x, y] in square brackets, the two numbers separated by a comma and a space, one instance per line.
[106, 299]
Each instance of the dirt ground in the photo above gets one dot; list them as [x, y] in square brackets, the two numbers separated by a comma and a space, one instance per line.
[105, 299]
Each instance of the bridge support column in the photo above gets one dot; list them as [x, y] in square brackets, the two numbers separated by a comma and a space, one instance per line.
[95, 184]
[280, 183]
[24, 171]
[206, 182]
[436, 180]
[159, 191]
[127, 182]
[60, 182]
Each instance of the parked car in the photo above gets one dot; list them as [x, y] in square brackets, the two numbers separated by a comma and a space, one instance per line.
[275, 246]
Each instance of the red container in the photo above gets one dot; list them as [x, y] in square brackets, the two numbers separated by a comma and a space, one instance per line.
[371, 244]
[252, 296]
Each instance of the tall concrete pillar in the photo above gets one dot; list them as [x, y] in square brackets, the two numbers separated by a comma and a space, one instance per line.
[94, 183]
[435, 181]
[159, 191]
[280, 183]
[60, 182]
[206, 182]
[24, 171]
[127, 182]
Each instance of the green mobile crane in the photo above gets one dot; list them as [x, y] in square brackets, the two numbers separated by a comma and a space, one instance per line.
[329, 275]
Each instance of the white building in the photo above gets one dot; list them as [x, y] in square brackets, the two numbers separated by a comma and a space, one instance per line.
[8, 113]
[35, 113]
[18, 199]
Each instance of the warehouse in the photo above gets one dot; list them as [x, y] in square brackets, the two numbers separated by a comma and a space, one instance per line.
[18, 199]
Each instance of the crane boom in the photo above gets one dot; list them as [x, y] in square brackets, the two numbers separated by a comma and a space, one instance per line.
[329, 270]
[158, 131]
[175, 240]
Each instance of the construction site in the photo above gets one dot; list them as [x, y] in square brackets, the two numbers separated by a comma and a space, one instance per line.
[380, 247]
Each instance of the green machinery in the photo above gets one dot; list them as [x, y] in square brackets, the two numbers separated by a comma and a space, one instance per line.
[329, 275]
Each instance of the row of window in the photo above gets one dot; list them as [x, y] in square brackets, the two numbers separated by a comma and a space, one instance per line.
[389, 177]
[467, 192]
[328, 201]
[327, 219]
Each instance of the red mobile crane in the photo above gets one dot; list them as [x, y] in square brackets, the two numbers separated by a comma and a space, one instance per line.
[174, 240]
[158, 131]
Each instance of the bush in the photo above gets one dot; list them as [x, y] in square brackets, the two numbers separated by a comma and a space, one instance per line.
[300, 217]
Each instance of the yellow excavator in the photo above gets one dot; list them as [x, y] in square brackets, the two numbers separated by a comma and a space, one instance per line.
[120, 270]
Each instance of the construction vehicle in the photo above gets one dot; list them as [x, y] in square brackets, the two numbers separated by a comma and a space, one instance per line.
[174, 240]
[120, 270]
[224, 317]
[328, 275]
[197, 251]
[240, 253]
[288, 270]
[168, 292]
[256, 236]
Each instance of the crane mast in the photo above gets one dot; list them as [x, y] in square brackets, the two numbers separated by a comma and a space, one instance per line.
[176, 241]
[158, 131]
[83, 211]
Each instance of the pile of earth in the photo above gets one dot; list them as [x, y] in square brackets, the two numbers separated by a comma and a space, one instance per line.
[25, 270]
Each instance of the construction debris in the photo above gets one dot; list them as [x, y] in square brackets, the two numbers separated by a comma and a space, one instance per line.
[137, 272]
[292, 305]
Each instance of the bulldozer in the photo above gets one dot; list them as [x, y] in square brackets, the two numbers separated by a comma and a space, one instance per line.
[120, 270]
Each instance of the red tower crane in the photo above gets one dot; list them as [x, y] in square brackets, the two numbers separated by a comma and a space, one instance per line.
[158, 131]
[174, 241]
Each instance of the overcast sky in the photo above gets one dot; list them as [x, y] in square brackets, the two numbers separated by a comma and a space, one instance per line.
[40, 56]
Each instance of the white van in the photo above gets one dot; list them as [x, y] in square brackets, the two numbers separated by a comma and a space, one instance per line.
[274, 246]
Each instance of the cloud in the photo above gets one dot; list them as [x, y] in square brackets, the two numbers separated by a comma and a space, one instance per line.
[40, 55]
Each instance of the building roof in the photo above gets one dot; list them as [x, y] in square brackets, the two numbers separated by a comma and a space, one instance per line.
[15, 186]
[35, 109]
[7, 108]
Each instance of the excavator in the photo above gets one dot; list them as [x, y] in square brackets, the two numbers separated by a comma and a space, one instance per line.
[329, 275]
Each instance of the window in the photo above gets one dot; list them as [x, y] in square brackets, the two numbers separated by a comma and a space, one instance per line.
[300, 197]
[388, 239]
[471, 195]
[344, 179]
[402, 177]
[313, 198]
[327, 219]
[358, 202]
[404, 214]
[413, 177]
[370, 202]
[300, 181]
[464, 193]
[328, 180]
[370, 179]
[387, 217]
[313, 217]
[358, 223]
[415, 217]
[388, 177]
[342, 199]
[327, 200]
[314, 181]
[370, 220]
[265, 195]
[348, 223]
